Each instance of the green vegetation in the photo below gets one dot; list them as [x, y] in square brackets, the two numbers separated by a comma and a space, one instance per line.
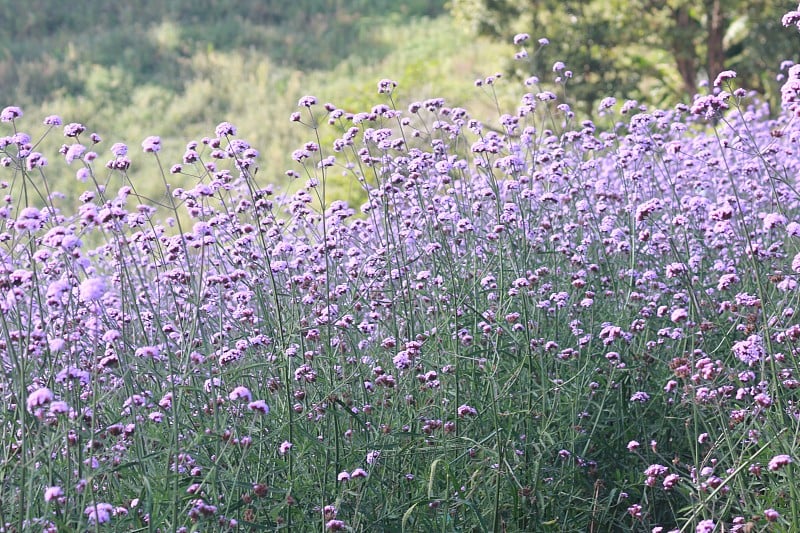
[133, 76]
[657, 51]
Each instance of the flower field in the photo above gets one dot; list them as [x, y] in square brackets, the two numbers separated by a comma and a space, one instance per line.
[533, 322]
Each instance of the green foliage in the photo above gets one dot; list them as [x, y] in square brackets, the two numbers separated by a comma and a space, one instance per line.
[649, 50]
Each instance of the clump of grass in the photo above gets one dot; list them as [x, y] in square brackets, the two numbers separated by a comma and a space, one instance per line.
[531, 324]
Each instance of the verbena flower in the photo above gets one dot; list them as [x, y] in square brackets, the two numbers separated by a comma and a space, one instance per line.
[10, 113]
[152, 144]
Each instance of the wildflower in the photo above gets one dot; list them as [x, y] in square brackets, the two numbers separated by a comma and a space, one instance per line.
[791, 18]
[778, 462]
[386, 86]
[521, 38]
[39, 397]
[119, 149]
[53, 494]
[544, 41]
[99, 513]
[240, 393]
[466, 410]
[749, 351]
[225, 129]
[52, 120]
[635, 510]
[307, 101]
[334, 525]
[92, 289]
[671, 480]
[771, 515]
[724, 76]
[73, 129]
[640, 397]
[633, 445]
[705, 526]
[284, 448]
[10, 113]
[59, 408]
[152, 144]
[343, 476]
[796, 263]
[358, 472]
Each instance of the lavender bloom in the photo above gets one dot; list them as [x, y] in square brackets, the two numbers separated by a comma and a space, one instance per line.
[521, 38]
[778, 462]
[750, 351]
[73, 129]
[307, 101]
[152, 144]
[705, 526]
[92, 289]
[284, 448]
[386, 86]
[724, 76]
[10, 113]
[53, 494]
[39, 397]
[119, 149]
[240, 393]
[75, 151]
[259, 406]
[52, 120]
[99, 513]
[225, 129]
[640, 397]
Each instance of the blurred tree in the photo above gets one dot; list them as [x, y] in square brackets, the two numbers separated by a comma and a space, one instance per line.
[655, 50]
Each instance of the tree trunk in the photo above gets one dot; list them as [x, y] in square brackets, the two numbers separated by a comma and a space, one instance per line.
[683, 49]
[715, 61]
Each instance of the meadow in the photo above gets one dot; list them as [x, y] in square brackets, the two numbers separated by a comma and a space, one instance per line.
[532, 322]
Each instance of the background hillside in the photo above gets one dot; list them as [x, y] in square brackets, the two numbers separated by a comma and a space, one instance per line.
[176, 68]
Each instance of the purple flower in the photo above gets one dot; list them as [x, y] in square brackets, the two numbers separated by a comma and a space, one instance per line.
[99, 513]
[152, 144]
[790, 18]
[771, 515]
[358, 472]
[775, 464]
[724, 76]
[75, 151]
[41, 397]
[53, 494]
[633, 445]
[53, 120]
[544, 41]
[640, 397]
[119, 149]
[466, 410]
[92, 289]
[521, 38]
[750, 351]
[705, 526]
[259, 405]
[284, 448]
[73, 129]
[386, 86]
[671, 480]
[225, 129]
[240, 393]
[307, 101]
[10, 113]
